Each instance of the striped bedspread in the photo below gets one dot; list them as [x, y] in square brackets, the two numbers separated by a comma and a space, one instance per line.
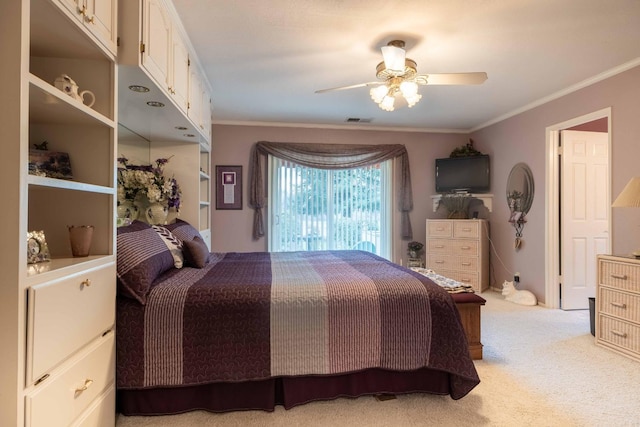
[250, 316]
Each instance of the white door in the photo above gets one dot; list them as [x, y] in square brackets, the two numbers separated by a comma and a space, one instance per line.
[584, 213]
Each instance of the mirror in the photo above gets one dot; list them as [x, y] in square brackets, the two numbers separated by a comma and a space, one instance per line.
[520, 188]
[519, 198]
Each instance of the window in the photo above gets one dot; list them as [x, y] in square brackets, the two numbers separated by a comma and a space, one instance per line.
[320, 209]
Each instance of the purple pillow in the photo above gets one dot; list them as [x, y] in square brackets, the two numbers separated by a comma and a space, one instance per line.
[142, 256]
[196, 252]
[183, 230]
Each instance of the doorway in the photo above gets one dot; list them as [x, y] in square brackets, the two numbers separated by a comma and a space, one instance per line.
[574, 236]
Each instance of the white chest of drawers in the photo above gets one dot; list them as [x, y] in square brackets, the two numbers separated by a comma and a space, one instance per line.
[459, 249]
[618, 305]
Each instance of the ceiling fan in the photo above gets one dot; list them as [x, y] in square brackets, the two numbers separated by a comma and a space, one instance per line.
[398, 75]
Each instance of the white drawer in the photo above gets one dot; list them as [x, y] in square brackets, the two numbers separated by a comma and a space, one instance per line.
[101, 413]
[466, 229]
[619, 304]
[439, 228]
[620, 335]
[65, 314]
[453, 247]
[619, 275]
[447, 262]
[58, 401]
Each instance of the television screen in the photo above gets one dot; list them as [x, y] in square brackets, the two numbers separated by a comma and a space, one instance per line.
[469, 174]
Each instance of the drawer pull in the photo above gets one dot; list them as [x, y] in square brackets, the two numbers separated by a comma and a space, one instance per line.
[466, 229]
[439, 262]
[439, 246]
[465, 248]
[619, 304]
[465, 280]
[85, 283]
[466, 264]
[439, 228]
[619, 276]
[87, 384]
[619, 334]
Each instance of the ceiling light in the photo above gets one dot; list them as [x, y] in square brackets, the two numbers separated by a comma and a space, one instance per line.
[139, 88]
[155, 104]
[399, 74]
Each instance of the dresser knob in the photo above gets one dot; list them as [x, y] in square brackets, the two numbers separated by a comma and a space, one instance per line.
[619, 276]
[619, 334]
[85, 386]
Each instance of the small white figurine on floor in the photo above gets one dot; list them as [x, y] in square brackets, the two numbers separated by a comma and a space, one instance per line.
[521, 297]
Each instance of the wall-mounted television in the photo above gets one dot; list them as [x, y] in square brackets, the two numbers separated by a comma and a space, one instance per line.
[470, 174]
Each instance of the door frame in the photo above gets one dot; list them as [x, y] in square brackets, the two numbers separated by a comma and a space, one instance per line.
[552, 196]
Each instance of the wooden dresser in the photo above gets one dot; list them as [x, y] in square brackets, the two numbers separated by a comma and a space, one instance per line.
[459, 249]
[618, 305]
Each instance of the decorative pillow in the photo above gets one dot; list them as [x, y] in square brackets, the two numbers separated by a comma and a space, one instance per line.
[196, 252]
[183, 230]
[173, 244]
[142, 256]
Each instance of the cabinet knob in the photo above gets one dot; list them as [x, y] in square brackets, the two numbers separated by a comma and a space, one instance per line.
[85, 283]
[92, 20]
[84, 387]
[82, 10]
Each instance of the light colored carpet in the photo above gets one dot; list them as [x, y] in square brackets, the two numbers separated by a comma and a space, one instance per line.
[540, 368]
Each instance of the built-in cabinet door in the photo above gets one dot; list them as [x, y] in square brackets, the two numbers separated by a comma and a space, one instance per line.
[98, 16]
[180, 72]
[195, 97]
[101, 17]
[157, 41]
[206, 113]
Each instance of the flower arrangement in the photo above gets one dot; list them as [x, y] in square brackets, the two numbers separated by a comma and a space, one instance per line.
[414, 248]
[149, 181]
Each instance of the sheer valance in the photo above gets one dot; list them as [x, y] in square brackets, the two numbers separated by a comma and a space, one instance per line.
[328, 156]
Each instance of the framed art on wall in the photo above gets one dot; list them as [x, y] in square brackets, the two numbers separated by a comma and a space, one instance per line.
[229, 187]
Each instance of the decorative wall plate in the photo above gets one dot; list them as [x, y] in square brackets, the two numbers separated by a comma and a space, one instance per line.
[37, 249]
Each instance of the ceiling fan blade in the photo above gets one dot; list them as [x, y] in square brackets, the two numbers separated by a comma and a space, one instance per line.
[349, 87]
[452, 78]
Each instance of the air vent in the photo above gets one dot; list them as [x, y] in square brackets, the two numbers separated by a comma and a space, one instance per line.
[357, 120]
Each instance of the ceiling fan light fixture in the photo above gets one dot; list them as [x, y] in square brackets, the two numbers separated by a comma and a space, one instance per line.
[408, 88]
[387, 103]
[413, 99]
[394, 58]
[378, 93]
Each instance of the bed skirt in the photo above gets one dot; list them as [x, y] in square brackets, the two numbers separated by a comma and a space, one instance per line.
[287, 391]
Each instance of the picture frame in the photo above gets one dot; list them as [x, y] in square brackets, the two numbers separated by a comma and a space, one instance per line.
[229, 187]
[37, 249]
[50, 164]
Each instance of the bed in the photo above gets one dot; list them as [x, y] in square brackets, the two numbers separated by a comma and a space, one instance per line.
[236, 331]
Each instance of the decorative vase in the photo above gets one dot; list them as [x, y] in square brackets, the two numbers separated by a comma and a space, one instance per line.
[157, 213]
[127, 210]
[80, 239]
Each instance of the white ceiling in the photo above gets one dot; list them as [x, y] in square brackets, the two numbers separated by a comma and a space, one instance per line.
[265, 59]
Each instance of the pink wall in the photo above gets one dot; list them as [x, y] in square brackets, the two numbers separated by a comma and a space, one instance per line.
[231, 230]
[522, 139]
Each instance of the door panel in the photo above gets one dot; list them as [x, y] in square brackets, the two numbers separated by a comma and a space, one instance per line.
[584, 213]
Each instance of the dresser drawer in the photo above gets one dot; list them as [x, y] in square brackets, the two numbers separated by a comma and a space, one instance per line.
[101, 413]
[619, 334]
[65, 314]
[466, 229]
[453, 247]
[619, 275]
[466, 277]
[444, 262]
[440, 228]
[619, 304]
[60, 400]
